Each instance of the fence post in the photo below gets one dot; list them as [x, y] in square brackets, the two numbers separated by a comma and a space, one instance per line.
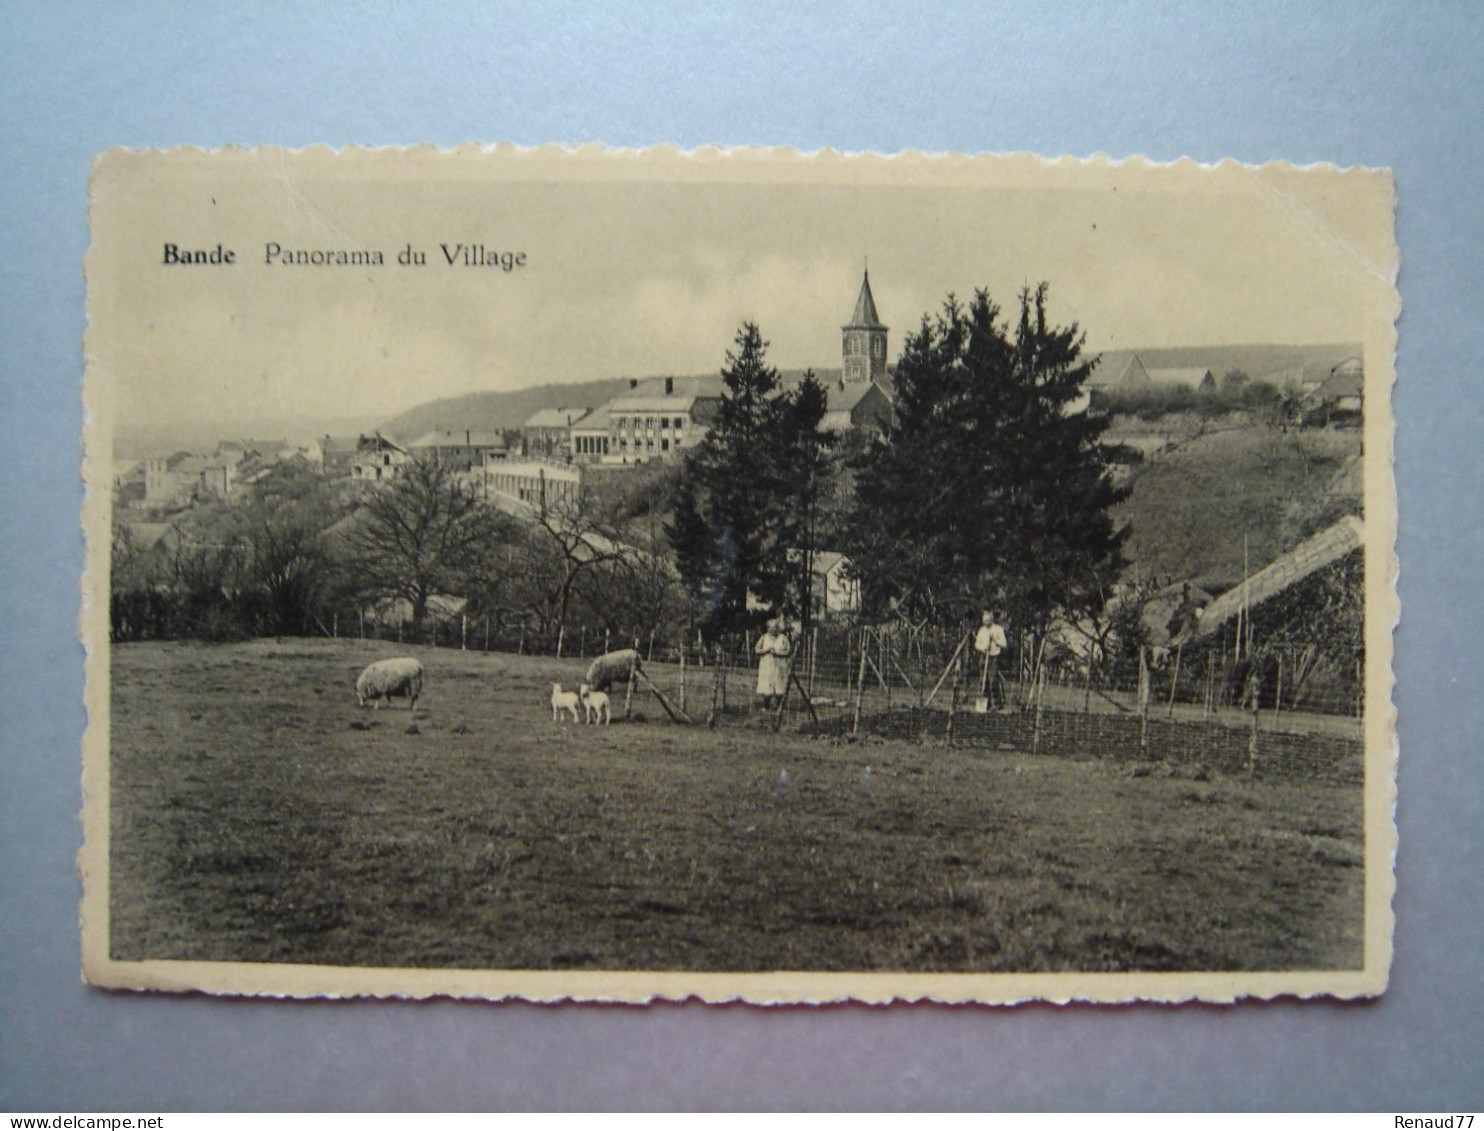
[958, 675]
[582, 644]
[463, 632]
[628, 695]
[399, 630]
[605, 641]
[361, 616]
[1143, 702]
[860, 685]
[334, 625]
[682, 677]
[716, 670]
[649, 658]
[561, 639]
[1175, 679]
[1252, 739]
[884, 650]
[1278, 694]
[1038, 689]
[520, 648]
[813, 657]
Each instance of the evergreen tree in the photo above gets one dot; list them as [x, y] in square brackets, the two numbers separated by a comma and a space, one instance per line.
[988, 487]
[742, 502]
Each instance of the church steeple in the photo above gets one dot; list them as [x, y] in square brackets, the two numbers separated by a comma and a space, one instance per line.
[863, 340]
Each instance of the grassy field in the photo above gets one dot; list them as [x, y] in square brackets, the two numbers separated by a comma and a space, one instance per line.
[259, 815]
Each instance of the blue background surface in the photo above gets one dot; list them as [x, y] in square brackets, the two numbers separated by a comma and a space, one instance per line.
[1376, 84]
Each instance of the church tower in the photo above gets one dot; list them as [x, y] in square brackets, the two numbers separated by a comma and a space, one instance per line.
[863, 341]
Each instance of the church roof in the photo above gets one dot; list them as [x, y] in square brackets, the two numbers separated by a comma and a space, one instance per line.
[865, 317]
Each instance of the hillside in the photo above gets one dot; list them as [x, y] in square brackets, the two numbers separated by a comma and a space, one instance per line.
[1191, 508]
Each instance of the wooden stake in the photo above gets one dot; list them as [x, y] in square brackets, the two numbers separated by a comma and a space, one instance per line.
[463, 632]
[561, 639]
[675, 713]
[1252, 741]
[715, 689]
[628, 696]
[1175, 679]
[860, 686]
[958, 675]
[682, 677]
[946, 669]
[1278, 696]
[1143, 702]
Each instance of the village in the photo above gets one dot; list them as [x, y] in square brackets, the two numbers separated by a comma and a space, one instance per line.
[1210, 404]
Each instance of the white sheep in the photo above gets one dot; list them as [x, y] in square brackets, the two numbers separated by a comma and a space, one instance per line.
[564, 701]
[596, 704]
[399, 677]
[611, 668]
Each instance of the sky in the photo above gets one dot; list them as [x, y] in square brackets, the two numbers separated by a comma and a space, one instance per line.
[638, 265]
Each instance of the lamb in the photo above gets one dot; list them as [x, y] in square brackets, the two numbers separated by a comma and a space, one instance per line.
[611, 668]
[596, 703]
[564, 701]
[400, 677]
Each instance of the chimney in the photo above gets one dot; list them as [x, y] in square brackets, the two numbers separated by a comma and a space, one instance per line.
[669, 386]
[633, 382]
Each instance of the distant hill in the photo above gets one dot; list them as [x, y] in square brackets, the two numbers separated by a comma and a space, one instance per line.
[493, 411]
[1257, 361]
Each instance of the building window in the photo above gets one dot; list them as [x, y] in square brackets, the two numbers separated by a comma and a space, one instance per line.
[664, 445]
[679, 421]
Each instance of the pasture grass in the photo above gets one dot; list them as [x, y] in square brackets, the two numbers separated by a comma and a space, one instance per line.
[258, 815]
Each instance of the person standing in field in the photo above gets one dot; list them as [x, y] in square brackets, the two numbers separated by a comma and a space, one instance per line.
[989, 642]
[773, 649]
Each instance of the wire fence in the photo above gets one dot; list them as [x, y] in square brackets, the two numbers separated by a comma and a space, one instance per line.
[1289, 707]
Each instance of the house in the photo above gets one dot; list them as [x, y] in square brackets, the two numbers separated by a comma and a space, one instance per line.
[334, 454]
[856, 406]
[461, 448]
[835, 591]
[660, 418]
[548, 433]
[173, 480]
[1130, 376]
[377, 459]
[589, 437]
[1340, 398]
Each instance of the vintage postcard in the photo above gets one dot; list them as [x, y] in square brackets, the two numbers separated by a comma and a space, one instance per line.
[742, 575]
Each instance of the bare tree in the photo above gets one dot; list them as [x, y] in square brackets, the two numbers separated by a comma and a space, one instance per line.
[424, 534]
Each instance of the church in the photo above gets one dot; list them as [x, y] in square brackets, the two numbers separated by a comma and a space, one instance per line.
[663, 417]
[861, 398]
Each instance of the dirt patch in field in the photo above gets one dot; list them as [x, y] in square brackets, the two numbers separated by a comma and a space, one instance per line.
[258, 815]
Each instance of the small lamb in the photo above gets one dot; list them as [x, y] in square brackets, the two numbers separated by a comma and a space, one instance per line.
[596, 703]
[564, 701]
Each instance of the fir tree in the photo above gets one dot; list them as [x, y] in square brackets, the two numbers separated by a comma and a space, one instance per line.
[744, 500]
[988, 487]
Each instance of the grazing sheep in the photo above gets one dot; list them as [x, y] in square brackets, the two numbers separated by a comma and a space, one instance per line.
[596, 703]
[399, 677]
[564, 701]
[611, 668]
